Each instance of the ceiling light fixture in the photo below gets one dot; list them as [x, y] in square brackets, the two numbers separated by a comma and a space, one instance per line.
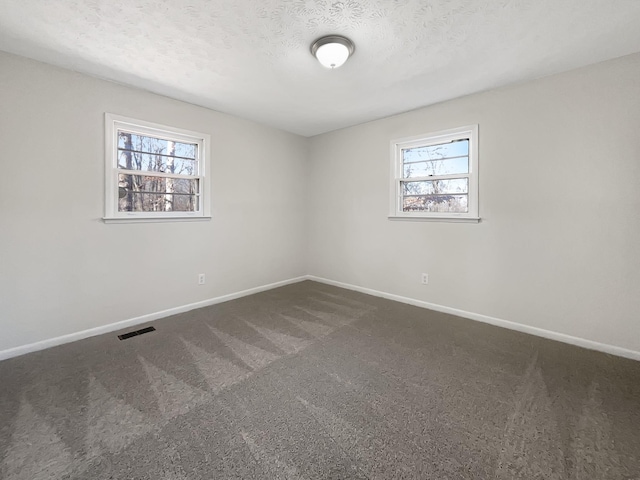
[332, 50]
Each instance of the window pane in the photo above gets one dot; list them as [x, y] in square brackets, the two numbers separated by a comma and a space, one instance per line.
[140, 193]
[436, 152]
[156, 202]
[156, 163]
[455, 185]
[140, 152]
[451, 166]
[435, 203]
[148, 144]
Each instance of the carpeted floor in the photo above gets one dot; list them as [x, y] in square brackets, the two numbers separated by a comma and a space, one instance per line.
[310, 381]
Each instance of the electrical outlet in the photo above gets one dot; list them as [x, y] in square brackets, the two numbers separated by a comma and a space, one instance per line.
[201, 279]
[425, 278]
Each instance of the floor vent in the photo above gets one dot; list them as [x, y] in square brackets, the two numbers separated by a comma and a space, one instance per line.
[124, 336]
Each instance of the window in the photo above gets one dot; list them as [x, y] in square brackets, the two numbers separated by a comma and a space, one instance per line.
[435, 176]
[154, 172]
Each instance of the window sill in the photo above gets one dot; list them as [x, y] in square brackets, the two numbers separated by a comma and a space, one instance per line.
[435, 219]
[153, 219]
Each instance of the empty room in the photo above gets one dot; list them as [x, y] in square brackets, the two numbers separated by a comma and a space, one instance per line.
[319, 239]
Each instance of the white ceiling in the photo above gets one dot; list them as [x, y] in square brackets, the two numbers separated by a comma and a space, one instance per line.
[251, 58]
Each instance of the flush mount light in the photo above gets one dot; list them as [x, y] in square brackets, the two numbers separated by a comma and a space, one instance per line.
[332, 50]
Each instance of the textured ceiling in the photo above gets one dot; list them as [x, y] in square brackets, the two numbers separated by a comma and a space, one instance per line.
[251, 57]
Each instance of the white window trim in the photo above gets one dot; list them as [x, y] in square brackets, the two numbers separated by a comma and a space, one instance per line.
[112, 215]
[395, 197]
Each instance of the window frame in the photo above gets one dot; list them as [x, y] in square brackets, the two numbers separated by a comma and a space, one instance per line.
[113, 123]
[469, 132]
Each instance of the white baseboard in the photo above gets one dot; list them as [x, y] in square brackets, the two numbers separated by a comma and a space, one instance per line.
[540, 332]
[92, 332]
[561, 337]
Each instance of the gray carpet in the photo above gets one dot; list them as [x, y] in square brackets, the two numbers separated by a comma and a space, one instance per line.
[310, 381]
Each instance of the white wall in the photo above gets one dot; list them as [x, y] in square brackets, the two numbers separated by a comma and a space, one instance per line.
[559, 243]
[62, 270]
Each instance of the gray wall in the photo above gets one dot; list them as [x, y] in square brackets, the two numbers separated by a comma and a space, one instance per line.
[63, 270]
[559, 243]
[557, 247]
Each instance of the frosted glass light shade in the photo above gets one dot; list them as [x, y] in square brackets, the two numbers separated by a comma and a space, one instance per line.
[332, 55]
[332, 51]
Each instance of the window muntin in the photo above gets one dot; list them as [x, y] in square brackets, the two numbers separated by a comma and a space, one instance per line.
[435, 175]
[154, 171]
